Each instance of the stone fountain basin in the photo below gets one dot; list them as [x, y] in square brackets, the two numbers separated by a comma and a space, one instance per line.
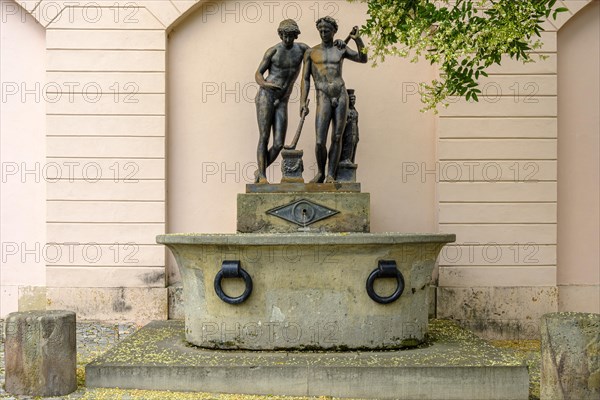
[309, 289]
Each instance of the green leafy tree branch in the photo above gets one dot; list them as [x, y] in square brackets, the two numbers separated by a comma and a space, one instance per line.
[462, 37]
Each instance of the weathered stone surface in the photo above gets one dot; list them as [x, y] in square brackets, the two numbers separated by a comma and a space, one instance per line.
[40, 353]
[454, 365]
[309, 289]
[353, 212]
[291, 187]
[570, 356]
[176, 301]
[498, 312]
[432, 301]
[580, 298]
[32, 298]
[140, 305]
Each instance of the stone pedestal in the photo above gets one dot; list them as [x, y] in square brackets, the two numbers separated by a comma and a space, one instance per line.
[298, 207]
[297, 187]
[346, 172]
[570, 356]
[40, 353]
[292, 166]
[303, 211]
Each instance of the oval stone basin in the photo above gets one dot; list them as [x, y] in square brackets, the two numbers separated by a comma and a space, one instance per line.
[309, 290]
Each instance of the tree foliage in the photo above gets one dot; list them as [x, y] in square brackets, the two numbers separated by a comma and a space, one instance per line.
[462, 37]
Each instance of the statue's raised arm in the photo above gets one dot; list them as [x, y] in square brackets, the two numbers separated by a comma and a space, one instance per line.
[359, 56]
[323, 63]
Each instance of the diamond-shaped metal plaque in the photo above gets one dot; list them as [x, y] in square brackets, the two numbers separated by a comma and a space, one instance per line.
[302, 212]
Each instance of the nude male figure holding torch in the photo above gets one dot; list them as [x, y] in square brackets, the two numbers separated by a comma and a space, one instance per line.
[324, 63]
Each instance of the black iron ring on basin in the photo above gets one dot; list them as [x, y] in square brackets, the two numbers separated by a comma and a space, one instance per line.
[385, 269]
[233, 269]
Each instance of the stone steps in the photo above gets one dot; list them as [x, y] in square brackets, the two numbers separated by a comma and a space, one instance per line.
[454, 364]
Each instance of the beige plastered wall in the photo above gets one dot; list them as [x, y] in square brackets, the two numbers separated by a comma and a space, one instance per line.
[22, 155]
[173, 136]
[578, 162]
[502, 275]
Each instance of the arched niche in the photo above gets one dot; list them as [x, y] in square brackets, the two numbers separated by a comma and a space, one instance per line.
[578, 274]
[212, 133]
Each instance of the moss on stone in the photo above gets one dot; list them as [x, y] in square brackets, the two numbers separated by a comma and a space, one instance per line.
[528, 352]
[163, 344]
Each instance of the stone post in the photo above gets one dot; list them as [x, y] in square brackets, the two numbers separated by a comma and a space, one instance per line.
[40, 353]
[570, 356]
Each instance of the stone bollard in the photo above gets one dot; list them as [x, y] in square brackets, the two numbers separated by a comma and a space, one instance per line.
[570, 356]
[40, 353]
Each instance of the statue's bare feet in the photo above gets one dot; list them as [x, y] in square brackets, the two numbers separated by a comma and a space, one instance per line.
[260, 178]
[330, 179]
[317, 179]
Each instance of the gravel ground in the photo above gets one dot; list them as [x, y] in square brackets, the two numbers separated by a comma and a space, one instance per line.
[94, 338]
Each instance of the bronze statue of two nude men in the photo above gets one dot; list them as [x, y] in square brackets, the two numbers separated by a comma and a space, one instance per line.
[323, 63]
